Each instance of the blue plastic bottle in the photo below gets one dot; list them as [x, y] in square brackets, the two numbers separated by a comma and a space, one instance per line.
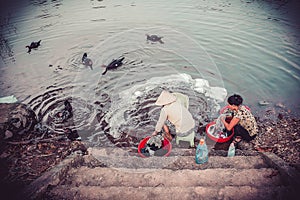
[201, 152]
[231, 150]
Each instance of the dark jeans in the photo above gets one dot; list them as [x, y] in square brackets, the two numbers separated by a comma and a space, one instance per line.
[241, 131]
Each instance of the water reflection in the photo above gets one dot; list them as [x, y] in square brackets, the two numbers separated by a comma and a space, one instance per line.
[6, 52]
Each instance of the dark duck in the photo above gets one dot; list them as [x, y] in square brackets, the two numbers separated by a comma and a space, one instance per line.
[67, 112]
[115, 63]
[33, 45]
[154, 38]
[72, 134]
[87, 61]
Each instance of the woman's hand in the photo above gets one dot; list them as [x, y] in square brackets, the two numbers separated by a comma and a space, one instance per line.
[232, 123]
[154, 133]
[223, 119]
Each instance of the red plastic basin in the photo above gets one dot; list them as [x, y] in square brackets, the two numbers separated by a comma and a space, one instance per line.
[166, 145]
[228, 119]
[219, 140]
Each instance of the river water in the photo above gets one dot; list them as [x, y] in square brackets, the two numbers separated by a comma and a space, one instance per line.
[210, 49]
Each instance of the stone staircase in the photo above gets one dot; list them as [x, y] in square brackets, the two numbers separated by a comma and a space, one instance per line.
[115, 173]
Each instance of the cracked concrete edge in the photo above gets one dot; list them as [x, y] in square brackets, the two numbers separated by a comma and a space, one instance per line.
[290, 176]
[52, 177]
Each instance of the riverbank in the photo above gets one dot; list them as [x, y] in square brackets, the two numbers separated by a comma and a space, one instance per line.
[23, 159]
[281, 137]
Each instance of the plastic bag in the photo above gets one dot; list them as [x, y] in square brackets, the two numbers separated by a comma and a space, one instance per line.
[8, 99]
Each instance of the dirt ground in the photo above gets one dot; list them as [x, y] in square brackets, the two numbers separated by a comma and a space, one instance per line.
[282, 137]
[22, 160]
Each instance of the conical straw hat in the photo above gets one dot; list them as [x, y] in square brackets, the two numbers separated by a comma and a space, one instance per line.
[165, 98]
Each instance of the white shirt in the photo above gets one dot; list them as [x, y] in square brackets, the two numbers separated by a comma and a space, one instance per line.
[178, 115]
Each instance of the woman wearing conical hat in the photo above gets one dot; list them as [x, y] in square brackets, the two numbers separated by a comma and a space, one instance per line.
[175, 112]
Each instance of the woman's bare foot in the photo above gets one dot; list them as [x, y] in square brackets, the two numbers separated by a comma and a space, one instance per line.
[237, 139]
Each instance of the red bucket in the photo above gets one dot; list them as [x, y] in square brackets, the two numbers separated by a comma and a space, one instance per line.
[166, 145]
[219, 140]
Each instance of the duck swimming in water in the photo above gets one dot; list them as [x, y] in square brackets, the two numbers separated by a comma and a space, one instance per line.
[115, 63]
[33, 45]
[154, 38]
[87, 61]
[66, 113]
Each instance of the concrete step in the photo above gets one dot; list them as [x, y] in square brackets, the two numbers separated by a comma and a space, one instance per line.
[108, 177]
[186, 162]
[160, 192]
[121, 159]
[125, 152]
[127, 176]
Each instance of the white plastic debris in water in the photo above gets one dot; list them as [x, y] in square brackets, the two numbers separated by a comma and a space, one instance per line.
[138, 94]
[263, 103]
[8, 99]
[217, 93]
[201, 85]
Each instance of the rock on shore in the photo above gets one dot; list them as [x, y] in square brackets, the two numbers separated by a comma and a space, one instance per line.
[16, 119]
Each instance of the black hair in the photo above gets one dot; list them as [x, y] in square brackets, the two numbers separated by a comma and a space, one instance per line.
[235, 100]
